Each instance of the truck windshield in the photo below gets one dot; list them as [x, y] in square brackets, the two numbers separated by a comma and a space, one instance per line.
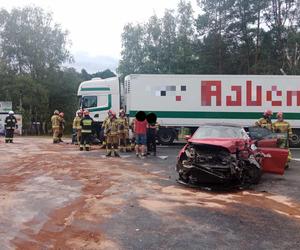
[89, 101]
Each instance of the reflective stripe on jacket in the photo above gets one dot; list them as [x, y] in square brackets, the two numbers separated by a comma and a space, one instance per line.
[86, 125]
[111, 127]
[282, 127]
[10, 122]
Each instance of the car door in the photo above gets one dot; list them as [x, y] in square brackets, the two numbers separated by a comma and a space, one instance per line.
[275, 160]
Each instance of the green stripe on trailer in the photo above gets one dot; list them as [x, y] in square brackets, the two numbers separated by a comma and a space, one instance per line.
[108, 107]
[214, 115]
[95, 89]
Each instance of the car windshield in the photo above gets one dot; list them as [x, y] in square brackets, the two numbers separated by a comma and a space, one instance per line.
[210, 131]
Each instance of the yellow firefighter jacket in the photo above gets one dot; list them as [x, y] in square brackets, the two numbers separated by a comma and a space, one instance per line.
[76, 122]
[123, 124]
[55, 120]
[111, 127]
[282, 127]
[264, 123]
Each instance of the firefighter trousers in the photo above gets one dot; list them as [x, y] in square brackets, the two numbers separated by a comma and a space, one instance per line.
[85, 141]
[55, 135]
[151, 141]
[9, 135]
[112, 141]
[122, 141]
[78, 135]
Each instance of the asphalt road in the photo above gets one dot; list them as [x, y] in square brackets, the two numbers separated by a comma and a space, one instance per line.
[55, 197]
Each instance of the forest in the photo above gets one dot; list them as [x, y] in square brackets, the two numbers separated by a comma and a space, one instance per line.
[225, 37]
[214, 37]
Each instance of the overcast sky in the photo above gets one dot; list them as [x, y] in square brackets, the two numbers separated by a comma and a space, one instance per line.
[95, 26]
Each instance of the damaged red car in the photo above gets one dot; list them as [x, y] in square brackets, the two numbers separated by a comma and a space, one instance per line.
[226, 154]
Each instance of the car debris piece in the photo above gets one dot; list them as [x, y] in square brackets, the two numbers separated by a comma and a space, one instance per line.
[163, 157]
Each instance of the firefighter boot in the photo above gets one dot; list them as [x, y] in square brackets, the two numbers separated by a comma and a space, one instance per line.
[116, 153]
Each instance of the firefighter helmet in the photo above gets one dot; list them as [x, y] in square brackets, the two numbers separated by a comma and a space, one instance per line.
[122, 112]
[279, 115]
[11, 112]
[268, 112]
[56, 112]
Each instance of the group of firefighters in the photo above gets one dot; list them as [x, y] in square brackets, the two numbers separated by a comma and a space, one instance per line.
[279, 126]
[116, 133]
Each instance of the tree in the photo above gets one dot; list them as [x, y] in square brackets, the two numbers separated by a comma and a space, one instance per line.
[185, 37]
[152, 45]
[168, 43]
[104, 74]
[133, 50]
[31, 42]
[280, 17]
[32, 50]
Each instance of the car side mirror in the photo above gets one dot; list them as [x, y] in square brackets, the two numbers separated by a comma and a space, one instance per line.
[187, 137]
[96, 116]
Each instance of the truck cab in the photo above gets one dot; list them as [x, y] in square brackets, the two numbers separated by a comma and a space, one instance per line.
[98, 96]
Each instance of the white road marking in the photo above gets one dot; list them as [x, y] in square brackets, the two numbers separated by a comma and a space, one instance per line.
[296, 159]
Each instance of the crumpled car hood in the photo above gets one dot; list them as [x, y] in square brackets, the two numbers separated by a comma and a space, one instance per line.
[228, 143]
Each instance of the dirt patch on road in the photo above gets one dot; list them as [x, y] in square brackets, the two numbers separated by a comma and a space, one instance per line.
[55, 197]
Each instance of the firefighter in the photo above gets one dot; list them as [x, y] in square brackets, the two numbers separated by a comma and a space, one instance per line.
[62, 123]
[10, 124]
[77, 126]
[123, 131]
[111, 133]
[109, 112]
[55, 121]
[282, 126]
[86, 124]
[265, 121]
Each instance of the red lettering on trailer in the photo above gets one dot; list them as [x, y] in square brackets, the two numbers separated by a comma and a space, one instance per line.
[290, 95]
[210, 89]
[250, 101]
[253, 95]
[238, 101]
[276, 103]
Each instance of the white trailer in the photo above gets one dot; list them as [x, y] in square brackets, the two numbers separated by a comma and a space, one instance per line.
[190, 100]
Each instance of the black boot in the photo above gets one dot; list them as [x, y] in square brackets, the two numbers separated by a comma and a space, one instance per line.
[108, 154]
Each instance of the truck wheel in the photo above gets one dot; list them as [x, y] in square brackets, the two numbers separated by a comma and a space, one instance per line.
[165, 136]
[295, 138]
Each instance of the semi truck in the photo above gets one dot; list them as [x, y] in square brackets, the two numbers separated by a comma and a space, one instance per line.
[187, 101]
